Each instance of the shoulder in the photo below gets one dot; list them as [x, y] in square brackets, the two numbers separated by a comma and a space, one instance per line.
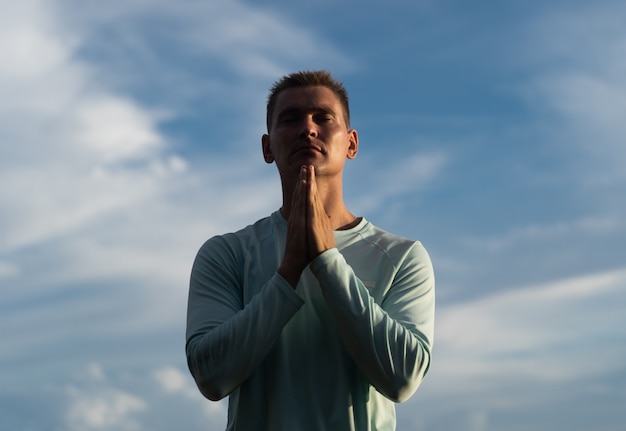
[233, 243]
[395, 246]
[412, 264]
[368, 246]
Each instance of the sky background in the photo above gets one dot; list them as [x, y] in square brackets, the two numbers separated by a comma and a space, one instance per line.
[493, 132]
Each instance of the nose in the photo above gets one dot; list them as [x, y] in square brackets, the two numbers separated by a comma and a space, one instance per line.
[309, 128]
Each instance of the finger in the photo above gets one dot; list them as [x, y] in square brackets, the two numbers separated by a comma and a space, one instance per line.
[299, 191]
[305, 193]
[312, 181]
[305, 175]
[311, 193]
[317, 208]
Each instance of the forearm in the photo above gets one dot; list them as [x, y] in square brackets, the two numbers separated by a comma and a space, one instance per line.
[387, 345]
[223, 355]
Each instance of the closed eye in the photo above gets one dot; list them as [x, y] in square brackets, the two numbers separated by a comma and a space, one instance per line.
[289, 116]
[321, 118]
[288, 119]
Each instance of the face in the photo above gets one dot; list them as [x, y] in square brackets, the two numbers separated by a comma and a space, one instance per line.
[309, 128]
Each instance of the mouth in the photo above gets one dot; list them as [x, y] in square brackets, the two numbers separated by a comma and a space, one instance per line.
[308, 149]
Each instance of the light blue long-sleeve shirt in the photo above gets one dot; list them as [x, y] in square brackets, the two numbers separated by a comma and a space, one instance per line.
[354, 337]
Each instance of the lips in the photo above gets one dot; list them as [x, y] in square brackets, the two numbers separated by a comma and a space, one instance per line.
[308, 148]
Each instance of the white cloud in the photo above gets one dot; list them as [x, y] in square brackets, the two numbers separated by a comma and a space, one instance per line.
[63, 131]
[31, 45]
[229, 38]
[173, 381]
[93, 400]
[382, 178]
[109, 410]
[115, 129]
[8, 270]
[550, 233]
[532, 335]
[96, 405]
[538, 351]
[95, 199]
[94, 194]
[95, 371]
[81, 153]
[581, 82]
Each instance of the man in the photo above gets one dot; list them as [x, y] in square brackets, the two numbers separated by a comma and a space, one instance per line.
[311, 318]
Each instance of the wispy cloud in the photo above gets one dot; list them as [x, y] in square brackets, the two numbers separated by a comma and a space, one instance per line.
[102, 210]
[108, 409]
[534, 347]
[93, 400]
[174, 382]
[548, 233]
[88, 172]
[580, 83]
[191, 52]
[62, 136]
[105, 201]
[377, 178]
[507, 334]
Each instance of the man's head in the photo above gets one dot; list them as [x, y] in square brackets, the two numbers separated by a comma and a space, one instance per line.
[308, 79]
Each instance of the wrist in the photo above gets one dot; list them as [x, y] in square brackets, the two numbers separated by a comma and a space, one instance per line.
[290, 273]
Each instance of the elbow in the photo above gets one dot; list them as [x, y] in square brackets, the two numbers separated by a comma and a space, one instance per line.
[402, 391]
[209, 384]
[207, 378]
[211, 390]
[404, 385]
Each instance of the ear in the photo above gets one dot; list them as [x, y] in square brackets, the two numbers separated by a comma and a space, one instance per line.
[353, 144]
[267, 151]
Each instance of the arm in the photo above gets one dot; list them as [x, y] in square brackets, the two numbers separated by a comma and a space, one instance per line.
[390, 342]
[226, 339]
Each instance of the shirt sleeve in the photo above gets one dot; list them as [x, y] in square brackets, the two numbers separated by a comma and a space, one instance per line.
[391, 341]
[220, 327]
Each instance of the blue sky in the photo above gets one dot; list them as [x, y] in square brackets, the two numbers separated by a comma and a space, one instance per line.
[494, 132]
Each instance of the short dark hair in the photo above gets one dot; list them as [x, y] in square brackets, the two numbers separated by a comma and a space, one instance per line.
[308, 79]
